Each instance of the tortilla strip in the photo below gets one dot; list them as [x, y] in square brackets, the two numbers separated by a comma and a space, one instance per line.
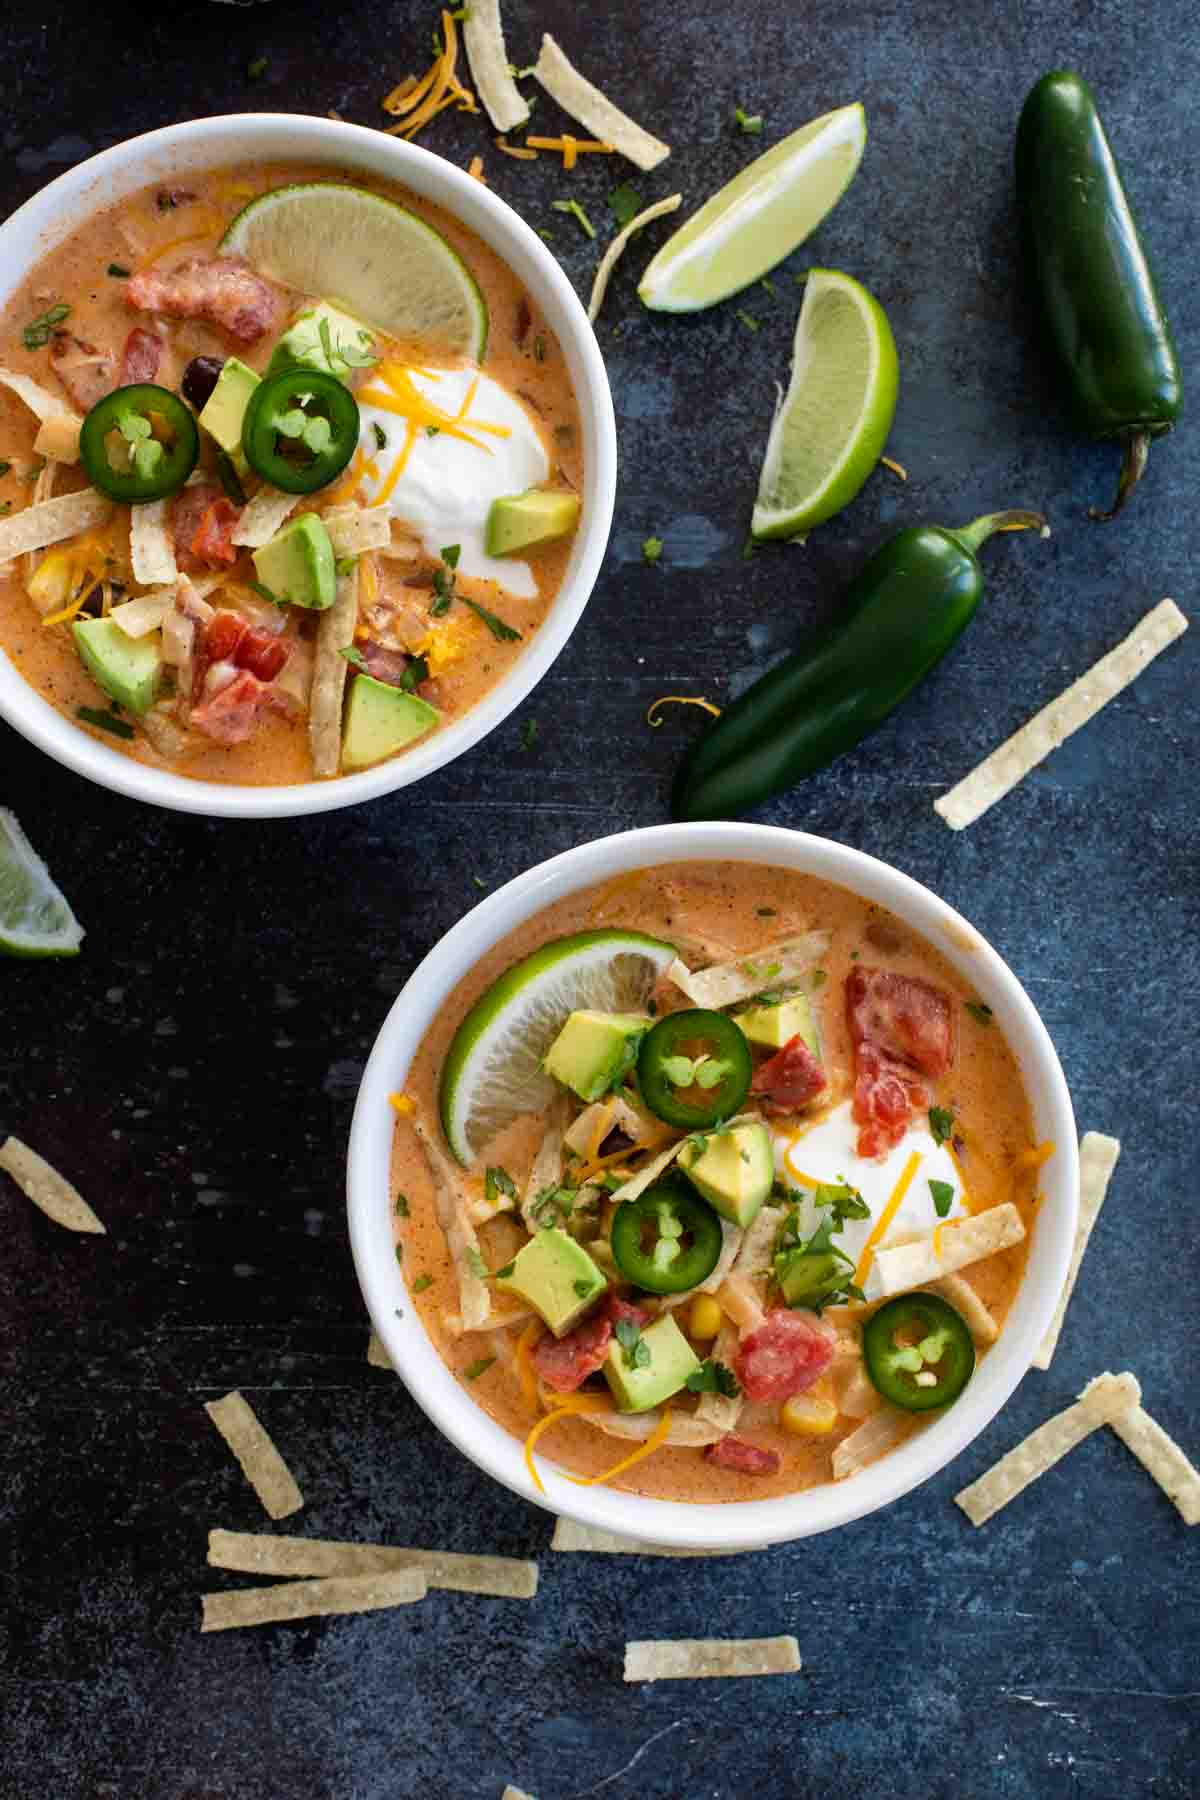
[898, 1268]
[1097, 1160]
[335, 633]
[139, 617]
[51, 1192]
[50, 521]
[261, 1462]
[570, 1535]
[474, 1296]
[310, 1599]
[1000, 772]
[685, 1429]
[757, 1247]
[547, 1170]
[879, 1432]
[731, 1243]
[719, 1410]
[262, 517]
[483, 39]
[377, 1356]
[1162, 1458]
[637, 1184]
[855, 1394]
[358, 528]
[58, 437]
[690, 1659]
[963, 1298]
[616, 249]
[730, 982]
[1101, 1401]
[260, 1553]
[40, 401]
[582, 101]
[151, 546]
[510, 1792]
[739, 1300]
[604, 1116]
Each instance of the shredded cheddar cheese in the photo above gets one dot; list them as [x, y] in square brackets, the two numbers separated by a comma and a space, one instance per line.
[897, 469]
[403, 1105]
[678, 700]
[475, 168]
[657, 1437]
[400, 395]
[415, 103]
[886, 1216]
[574, 1403]
[446, 643]
[213, 223]
[520, 151]
[72, 573]
[570, 148]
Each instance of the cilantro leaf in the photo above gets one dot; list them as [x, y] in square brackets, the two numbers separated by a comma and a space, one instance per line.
[652, 549]
[265, 593]
[943, 1197]
[497, 1181]
[637, 1351]
[714, 1378]
[37, 333]
[354, 657]
[576, 211]
[626, 204]
[380, 435]
[941, 1123]
[104, 721]
[420, 1284]
[529, 731]
[119, 272]
[402, 1209]
[479, 1367]
[504, 1273]
[505, 634]
[749, 123]
[979, 1011]
[475, 1262]
[451, 554]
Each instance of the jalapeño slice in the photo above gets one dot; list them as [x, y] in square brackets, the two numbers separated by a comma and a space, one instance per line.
[915, 1336]
[667, 1240]
[139, 443]
[300, 430]
[694, 1068]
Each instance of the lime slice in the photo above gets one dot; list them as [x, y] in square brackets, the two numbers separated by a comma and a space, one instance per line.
[35, 919]
[375, 258]
[759, 217]
[493, 1071]
[830, 430]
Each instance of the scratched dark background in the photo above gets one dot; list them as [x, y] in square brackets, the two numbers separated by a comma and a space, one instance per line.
[195, 1069]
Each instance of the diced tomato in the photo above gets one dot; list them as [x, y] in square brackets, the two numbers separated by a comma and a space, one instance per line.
[901, 1028]
[784, 1355]
[565, 1363]
[140, 357]
[212, 542]
[230, 716]
[187, 509]
[223, 635]
[747, 1459]
[261, 653]
[790, 1079]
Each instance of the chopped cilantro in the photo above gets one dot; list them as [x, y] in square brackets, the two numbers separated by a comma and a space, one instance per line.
[941, 1123]
[104, 721]
[257, 69]
[854, 955]
[626, 204]
[416, 672]
[749, 123]
[637, 1351]
[817, 979]
[652, 549]
[380, 435]
[520, 74]
[749, 549]
[497, 1181]
[265, 593]
[747, 319]
[119, 272]
[229, 478]
[979, 1011]
[504, 1273]
[475, 1262]
[552, 1203]
[37, 333]
[546, 236]
[345, 565]
[765, 912]
[714, 1378]
[943, 1197]
[5, 508]
[479, 882]
[432, 430]
[402, 1206]
[506, 634]
[576, 211]
[479, 1367]
[529, 731]
[539, 348]
[354, 657]
[420, 1284]
[399, 1253]
[451, 554]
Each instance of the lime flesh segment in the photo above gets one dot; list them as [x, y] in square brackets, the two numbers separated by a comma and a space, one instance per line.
[369, 255]
[759, 217]
[35, 919]
[831, 428]
[493, 1070]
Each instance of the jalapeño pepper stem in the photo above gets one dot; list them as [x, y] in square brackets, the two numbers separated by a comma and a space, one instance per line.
[972, 537]
[1133, 467]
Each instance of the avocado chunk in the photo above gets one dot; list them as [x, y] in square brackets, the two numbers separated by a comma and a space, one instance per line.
[774, 1026]
[733, 1169]
[672, 1360]
[556, 1276]
[518, 521]
[325, 338]
[380, 720]
[128, 669]
[594, 1050]
[298, 564]
[223, 411]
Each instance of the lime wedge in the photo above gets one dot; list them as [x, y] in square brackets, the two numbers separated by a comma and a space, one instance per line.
[759, 217]
[371, 256]
[832, 425]
[493, 1070]
[35, 919]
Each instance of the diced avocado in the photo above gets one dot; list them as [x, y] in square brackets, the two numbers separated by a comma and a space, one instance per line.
[806, 1277]
[380, 720]
[733, 1169]
[774, 1026]
[128, 669]
[308, 341]
[556, 1276]
[298, 564]
[518, 521]
[594, 1050]
[672, 1360]
[225, 408]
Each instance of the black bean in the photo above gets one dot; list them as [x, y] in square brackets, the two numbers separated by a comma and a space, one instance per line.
[200, 378]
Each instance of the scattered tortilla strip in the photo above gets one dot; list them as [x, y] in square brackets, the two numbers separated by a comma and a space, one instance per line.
[474, 1297]
[739, 1300]
[1101, 1401]
[1162, 1458]
[855, 1394]
[898, 1268]
[40, 401]
[51, 1192]
[58, 437]
[731, 1243]
[335, 633]
[730, 982]
[258, 1553]
[1033, 743]
[757, 1247]
[616, 249]
[570, 1535]
[580, 100]
[615, 1113]
[879, 1432]
[685, 1431]
[547, 1170]
[262, 517]
[487, 58]
[151, 546]
[310, 1599]
[138, 617]
[261, 1462]
[510, 1792]
[377, 1356]
[50, 521]
[637, 1184]
[690, 1659]
[1097, 1160]
[719, 1410]
[357, 528]
[963, 1298]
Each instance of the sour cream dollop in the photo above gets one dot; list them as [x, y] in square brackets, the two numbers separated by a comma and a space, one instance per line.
[447, 483]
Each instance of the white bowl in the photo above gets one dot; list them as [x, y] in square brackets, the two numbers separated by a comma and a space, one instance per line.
[734, 1526]
[178, 150]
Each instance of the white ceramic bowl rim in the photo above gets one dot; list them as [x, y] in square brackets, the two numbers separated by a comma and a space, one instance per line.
[56, 209]
[742, 1525]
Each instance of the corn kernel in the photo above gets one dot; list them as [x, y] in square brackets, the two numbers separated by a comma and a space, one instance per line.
[804, 1415]
[704, 1318]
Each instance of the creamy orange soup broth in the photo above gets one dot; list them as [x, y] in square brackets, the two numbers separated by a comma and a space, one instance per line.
[712, 912]
[164, 227]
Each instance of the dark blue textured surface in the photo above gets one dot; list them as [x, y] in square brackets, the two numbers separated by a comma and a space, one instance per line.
[195, 1069]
